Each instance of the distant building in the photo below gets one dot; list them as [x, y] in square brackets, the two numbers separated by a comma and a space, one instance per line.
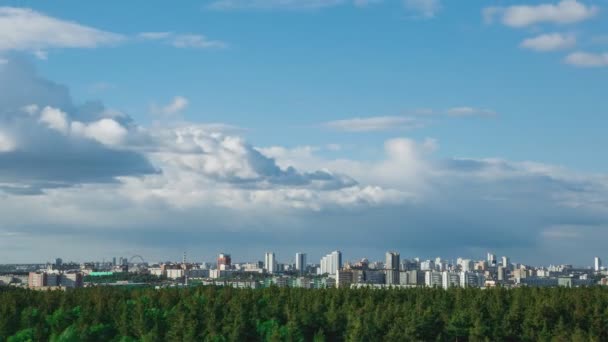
[520, 273]
[37, 279]
[331, 263]
[433, 279]
[392, 261]
[466, 265]
[224, 261]
[472, 279]
[374, 277]
[506, 263]
[427, 265]
[450, 279]
[415, 277]
[73, 279]
[491, 259]
[270, 262]
[392, 268]
[301, 262]
[501, 273]
[175, 273]
[598, 264]
[344, 278]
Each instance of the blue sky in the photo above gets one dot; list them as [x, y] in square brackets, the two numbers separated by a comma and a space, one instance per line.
[415, 98]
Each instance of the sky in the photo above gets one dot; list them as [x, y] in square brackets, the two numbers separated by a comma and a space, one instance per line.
[430, 127]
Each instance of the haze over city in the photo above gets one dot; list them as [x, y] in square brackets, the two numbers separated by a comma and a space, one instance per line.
[247, 126]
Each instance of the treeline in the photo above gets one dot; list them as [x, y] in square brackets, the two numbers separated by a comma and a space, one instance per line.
[291, 314]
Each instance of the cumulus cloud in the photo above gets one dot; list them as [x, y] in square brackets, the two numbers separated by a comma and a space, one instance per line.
[406, 198]
[49, 142]
[423, 8]
[27, 30]
[229, 159]
[54, 118]
[378, 123]
[587, 59]
[564, 12]
[107, 131]
[549, 42]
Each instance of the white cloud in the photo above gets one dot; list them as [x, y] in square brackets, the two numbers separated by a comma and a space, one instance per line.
[176, 106]
[41, 150]
[31, 109]
[564, 12]
[27, 30]
[155, 35]
[550, 42]
[197, 41]
[378, 123]
[423, 8]
[6, 143]
[587, 59]
[55, 118]
[106, 131]
[23, 29]
[469, 111]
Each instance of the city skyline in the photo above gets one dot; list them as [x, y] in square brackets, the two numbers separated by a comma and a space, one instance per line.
[424, 127]
[393, 258]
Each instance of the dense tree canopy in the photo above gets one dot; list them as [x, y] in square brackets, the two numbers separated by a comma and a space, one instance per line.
[291, 314]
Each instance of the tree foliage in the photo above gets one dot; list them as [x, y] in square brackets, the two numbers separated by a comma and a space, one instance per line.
[291, 314]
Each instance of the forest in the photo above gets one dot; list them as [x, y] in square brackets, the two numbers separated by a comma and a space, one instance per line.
[208, 313]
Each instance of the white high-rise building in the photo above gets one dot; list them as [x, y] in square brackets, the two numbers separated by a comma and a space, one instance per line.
[301, 262]
[427, 265]
[491, 259]
[598, 264]
[270, 262]
[466, 265]
[506, 263]
[331, 263]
